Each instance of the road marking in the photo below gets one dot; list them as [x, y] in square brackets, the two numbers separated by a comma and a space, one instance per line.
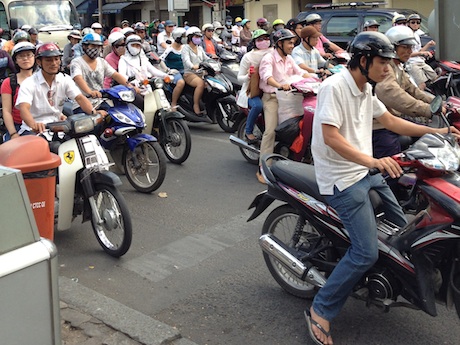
[225, 141]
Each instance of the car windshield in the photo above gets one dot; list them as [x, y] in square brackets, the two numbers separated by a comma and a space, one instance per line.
[44, 15]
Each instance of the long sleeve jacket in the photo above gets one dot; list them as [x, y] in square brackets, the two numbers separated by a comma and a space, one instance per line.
[401, 96]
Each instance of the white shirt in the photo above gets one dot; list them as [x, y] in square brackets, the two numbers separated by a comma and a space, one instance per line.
[416, 48]
[34, 91]
[341, 104]
[236, 34]
[138, 67]
[161, 38]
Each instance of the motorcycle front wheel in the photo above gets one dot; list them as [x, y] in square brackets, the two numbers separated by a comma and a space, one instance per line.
[145, 167]
[114, 233]
[281, 223]
[177, 143]
[227, 114]
[249, 155]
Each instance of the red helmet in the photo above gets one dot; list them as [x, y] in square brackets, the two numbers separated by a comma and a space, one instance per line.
[262, 21]
[48, 49]
[115, 29]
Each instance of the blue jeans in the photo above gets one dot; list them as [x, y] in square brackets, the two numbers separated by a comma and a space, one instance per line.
[255, 106]
[355, 210]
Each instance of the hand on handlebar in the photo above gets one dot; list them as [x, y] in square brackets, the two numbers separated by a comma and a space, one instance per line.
[38, 127]
[387, 165]
[285, 87]
[95, 94]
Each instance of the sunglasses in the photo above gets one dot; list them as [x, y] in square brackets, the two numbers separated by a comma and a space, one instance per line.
[50, 96]
[415, 22]
[401, 23]
[210, 30]
[120, 45]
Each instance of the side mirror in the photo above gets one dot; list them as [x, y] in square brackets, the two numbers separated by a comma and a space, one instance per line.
[436, 105]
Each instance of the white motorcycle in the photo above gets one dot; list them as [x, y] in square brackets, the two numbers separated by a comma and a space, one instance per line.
[86, 187]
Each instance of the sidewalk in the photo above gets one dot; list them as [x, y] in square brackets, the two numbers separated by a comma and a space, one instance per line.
[90, 318]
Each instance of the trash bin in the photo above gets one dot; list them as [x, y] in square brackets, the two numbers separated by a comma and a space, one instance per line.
[32, 156]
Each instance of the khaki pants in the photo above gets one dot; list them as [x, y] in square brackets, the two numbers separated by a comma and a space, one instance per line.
[270, 105]
[422, 72]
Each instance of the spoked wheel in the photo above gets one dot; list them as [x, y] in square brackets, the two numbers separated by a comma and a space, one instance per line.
[145, 167]
[114, 232]
[227, 114]
[281, 222]
[178, 147]
[250, 156]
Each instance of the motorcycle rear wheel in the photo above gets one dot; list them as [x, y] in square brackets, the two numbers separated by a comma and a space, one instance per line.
[250, 156]
[145, 167]
[177, 149]
[281, 222]
[115, 233]
[226, 115]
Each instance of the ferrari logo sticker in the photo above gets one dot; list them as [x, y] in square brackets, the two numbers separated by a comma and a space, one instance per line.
[69, 156]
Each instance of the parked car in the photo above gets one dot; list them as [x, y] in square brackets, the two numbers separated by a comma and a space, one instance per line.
[343, 21]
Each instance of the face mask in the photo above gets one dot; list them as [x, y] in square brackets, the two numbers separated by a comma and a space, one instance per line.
[183, 40]
[265, 44]
[218, 32]
[196, 40]
[238, 24]
[92, 53]
[228, 23]
[134, 51]
[278, 27]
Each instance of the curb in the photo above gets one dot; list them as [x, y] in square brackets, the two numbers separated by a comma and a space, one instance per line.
[137, 326]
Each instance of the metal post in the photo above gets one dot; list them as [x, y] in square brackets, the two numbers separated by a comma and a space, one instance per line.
[99, 4]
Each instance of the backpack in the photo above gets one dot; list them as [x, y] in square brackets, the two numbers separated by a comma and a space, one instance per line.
[13, 84]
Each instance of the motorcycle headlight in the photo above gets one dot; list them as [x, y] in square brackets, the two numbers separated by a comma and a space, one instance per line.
[83, 124]
[217, 85]
[122, 118]
[444, 158]
[127, 95]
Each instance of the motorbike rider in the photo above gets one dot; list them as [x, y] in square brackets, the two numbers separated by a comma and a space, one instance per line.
[23, 55]
[19, 36]
[88, 71]
[276, 68]
[296, 25]
[41, 97]
[173, 60]
[74, 37]
[209, 45]
[262, 23]
[401, 97]
[414, 21]
[342, 152]
[227, 32]
[117, 44]
[218, 30]
[307, 56]
[165, 39]
[418, 68]
[277, 24]
[236, 30]
[371, 25]
[315, 20]
[248, 66]
[245, 33]
[192, 56]
[33, 34]
[141, 31]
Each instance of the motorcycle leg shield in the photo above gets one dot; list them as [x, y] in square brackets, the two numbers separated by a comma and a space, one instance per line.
[133, 142]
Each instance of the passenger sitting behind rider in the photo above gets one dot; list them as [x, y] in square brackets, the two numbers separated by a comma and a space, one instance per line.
[192, 56]
[173, 60]
[41, 97]
[342, 152]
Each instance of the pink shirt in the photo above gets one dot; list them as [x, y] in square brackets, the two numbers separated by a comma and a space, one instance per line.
[320, 45]
[112, 59]
[273, 65]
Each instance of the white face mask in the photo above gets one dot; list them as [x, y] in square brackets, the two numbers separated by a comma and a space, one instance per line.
[184, 40]
[134, 51]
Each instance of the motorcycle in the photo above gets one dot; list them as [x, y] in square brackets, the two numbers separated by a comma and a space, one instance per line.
[86, 187]
[139, 154]
[167, 125]
[218, 101]
[448, 82]
[286, 133]
[418, 265]
[230, 68]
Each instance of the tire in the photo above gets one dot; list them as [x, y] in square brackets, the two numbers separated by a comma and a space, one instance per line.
[177, 148]
[250, 156]
[227, 115]
[145, 167]
[115, 233]
[281, 223]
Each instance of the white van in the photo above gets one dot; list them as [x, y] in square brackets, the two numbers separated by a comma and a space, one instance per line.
[53, 19]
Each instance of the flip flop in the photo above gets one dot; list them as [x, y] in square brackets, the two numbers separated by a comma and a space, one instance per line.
[310, 323]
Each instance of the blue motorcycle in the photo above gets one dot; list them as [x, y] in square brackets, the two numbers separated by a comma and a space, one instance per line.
[138, 154]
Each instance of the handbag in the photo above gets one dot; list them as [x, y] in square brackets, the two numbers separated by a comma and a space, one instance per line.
[288, 130]
[253, 87]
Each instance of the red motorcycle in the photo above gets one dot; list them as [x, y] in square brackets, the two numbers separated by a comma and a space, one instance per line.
[293, 136]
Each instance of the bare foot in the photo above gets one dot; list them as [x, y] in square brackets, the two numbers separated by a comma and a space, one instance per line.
[324, 324]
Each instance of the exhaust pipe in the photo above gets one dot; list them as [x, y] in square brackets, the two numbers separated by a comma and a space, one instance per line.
[241, 143]
[278, 250]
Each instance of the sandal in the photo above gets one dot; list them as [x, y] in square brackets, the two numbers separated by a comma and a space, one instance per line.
[310, 323]
[251, 141]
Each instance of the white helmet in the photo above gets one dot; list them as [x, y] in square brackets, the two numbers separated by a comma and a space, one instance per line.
[115, 37]
[401, 34]
[207, 26]
[86, 31]
[96, 26]
[178, 32]
[127, 31]
[217, 25]
[132, 39]
[193, 30]
[313, 18]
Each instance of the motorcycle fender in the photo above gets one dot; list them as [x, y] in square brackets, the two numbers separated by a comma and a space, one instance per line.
[133, 142]
[260, 203]
[171, 115]
[229, 99]
[93, 178]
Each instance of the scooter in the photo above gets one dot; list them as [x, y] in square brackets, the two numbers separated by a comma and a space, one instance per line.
[218, 101]
[448, 82]
[139, 154]
[164, 123]
[86, 187]
[418, 265]
[287, 133]
[230, 68]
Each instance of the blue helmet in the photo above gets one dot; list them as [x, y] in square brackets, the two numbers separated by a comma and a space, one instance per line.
[92, 38]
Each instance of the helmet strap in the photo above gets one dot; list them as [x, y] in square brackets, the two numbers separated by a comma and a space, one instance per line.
[307, 41]
[365, 72]
[281, 48]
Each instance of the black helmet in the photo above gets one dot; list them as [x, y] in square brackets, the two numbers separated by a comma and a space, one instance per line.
[370, 44]
[293, 22]
[283, 34]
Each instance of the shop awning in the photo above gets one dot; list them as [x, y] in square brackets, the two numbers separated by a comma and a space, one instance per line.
[113, 8]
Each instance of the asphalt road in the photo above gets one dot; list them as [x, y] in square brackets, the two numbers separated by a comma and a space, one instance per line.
[195, 263]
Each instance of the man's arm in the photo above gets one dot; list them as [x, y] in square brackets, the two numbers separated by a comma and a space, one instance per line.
[339, 144]
[81, 83]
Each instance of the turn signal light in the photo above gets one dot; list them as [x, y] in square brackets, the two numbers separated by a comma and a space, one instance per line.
[108, 132]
